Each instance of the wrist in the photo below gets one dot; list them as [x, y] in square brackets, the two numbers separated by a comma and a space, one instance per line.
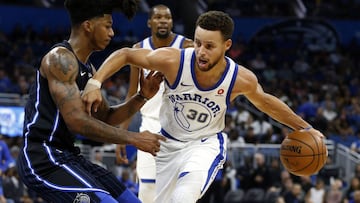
[95, 82]
[139, 94]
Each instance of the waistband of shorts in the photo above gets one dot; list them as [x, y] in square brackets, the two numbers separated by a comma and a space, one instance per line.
[166, 134]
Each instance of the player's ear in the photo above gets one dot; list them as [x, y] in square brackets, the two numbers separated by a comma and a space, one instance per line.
[88, 26]
[148, 24]
[228, 44]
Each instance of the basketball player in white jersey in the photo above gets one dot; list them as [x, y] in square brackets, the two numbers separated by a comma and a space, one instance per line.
[160, 22]
[200, 83]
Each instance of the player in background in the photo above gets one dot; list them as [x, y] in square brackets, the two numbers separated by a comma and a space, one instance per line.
[200, 84]
[161, 24]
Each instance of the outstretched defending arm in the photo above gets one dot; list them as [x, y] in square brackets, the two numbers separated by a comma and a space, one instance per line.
[165, 60]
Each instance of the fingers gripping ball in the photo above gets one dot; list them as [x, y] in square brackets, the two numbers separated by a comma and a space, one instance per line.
[303, 152]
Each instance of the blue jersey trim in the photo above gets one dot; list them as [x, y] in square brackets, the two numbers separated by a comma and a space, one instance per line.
[166, 134]
[217, 163]
[181, 66]
[218, 82]
[147, 180]
[232, 84]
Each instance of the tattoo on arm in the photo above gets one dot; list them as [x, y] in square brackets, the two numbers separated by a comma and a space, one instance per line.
[61, 67]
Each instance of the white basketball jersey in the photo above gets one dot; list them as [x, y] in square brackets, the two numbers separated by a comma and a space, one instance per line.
[189, 112]
[151, 108]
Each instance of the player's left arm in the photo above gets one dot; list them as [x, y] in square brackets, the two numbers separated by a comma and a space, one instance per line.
[165, 60]
[247, 84]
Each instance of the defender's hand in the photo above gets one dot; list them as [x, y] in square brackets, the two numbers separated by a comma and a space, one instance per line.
[91, 96]
[148, 142]
[121, 156]
[150, 84]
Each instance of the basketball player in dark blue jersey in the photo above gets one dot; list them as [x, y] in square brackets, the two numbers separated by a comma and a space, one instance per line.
[49, 163]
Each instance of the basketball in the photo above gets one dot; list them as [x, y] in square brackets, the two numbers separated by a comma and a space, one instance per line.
[303, 152]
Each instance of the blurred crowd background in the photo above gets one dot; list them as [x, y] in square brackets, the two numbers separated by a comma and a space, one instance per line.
[305, 52]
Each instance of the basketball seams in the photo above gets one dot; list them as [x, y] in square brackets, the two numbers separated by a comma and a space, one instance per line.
[310, 155]
[318, 149]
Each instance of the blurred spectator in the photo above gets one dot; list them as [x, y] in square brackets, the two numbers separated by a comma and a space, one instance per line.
[235, 138]
[308, 108]
[316, 194]
[243, 116]
[357, 171]
[6, 162]
[243, 173]
[356, 197]
[329, 171]
[329, 108]
[274, 173]
[262, 128]
[5, 82]
[295, 195]
[259, 177]
[14, 189]
[250, 137]
[286, 182]
[354, 185]
[335, 193]
[306, 183]
[342, 126]
[98, 159]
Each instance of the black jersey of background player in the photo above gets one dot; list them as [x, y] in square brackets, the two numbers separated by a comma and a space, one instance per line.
[43, 121]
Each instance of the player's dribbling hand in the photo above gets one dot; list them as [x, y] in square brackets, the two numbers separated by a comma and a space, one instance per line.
[314, 131]
[148, 142]
[91, 97]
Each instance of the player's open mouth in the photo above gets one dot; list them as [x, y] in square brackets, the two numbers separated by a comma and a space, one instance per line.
[202, 62]
[163, 29]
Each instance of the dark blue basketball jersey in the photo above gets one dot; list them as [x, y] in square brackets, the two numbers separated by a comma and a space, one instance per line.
[50, 164]
[43, 121]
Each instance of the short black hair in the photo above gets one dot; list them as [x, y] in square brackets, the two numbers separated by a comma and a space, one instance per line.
[217, 21]
[81, 10]
[152, 9]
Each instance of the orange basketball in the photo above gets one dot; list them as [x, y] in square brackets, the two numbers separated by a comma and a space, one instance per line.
[303, 152]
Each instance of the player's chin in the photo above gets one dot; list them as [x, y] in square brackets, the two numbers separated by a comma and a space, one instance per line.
[102, 46]
[204, 67]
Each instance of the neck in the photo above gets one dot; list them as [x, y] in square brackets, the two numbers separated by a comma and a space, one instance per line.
[81, 46]
[165, 42]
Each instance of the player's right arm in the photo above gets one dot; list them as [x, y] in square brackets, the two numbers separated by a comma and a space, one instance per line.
[60, 68]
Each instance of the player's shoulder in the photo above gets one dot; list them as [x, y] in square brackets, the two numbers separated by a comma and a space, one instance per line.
[137, 45]
[59, 53]
[140, 43]
[60, 61]
[187, 42]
